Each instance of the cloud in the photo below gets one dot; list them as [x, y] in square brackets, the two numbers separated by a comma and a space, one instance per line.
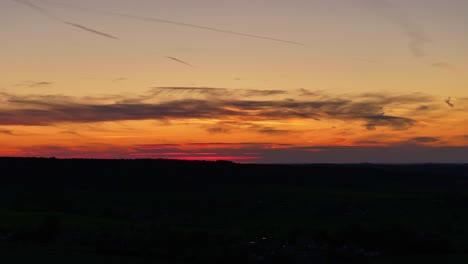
[397, 123]
[210, 145]
[393, 99]
[218, 92]
[259, 153]
[6, 132]
[426, 109]
[417, 38]
[70, 132]
[219, 130]
[444, 66]
[34, 84]
[369, 142]
[423, 108]
[252, 92]
[52, 109]
[305, 92]
[398, 140]
[226, 127]
[210, 91]
[242, 152]
[41, 83]
[424, 139]
[273, 131]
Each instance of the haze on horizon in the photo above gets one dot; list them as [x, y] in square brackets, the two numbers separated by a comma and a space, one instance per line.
[300, 81]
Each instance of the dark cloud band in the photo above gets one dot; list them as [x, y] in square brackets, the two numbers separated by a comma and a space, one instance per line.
[48, 110]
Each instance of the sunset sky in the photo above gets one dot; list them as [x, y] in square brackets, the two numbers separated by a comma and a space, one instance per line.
[297, 81]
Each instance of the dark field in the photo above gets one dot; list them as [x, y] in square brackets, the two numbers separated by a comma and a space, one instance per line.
[161, 211]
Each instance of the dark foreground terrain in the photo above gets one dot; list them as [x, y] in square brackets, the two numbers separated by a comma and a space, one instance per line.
[162, 211]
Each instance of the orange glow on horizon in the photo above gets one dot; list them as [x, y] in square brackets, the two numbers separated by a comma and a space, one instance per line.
[138, 88]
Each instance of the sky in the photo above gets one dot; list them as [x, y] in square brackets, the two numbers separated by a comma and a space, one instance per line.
[254, 81]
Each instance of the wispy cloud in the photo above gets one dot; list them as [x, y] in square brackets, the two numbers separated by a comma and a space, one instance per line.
[386, 98]
[417, 37]
[249, 151]
[70, 132]
[273, 131]
[243, 151]
[33, 84]
[305, 92]
[444, 66]
[397, 123]
[218, 130]
[41, 84]
[50, 109]
[424, 139]
[187, 91]
[218, 92]
[6, 132]
[56, 18]
[227, 127]
[253, 92]
[423, 108]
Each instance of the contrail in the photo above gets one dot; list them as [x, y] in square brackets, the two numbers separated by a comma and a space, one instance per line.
[180, 61]
[165, 21]
[49, 15]
[158, 20]
[90, 30]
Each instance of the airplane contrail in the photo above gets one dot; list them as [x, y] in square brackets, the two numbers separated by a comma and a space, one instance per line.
[180, 61]
[51, 16]
[158, 20]
[90, 30]
[35, 7]
[165, 21]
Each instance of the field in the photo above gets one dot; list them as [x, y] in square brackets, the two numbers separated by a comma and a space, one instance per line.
[162, 211]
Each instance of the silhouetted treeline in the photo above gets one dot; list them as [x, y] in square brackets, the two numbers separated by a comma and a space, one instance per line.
[111, 172]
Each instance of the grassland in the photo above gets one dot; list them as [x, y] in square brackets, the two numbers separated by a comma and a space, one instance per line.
[159, 211]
